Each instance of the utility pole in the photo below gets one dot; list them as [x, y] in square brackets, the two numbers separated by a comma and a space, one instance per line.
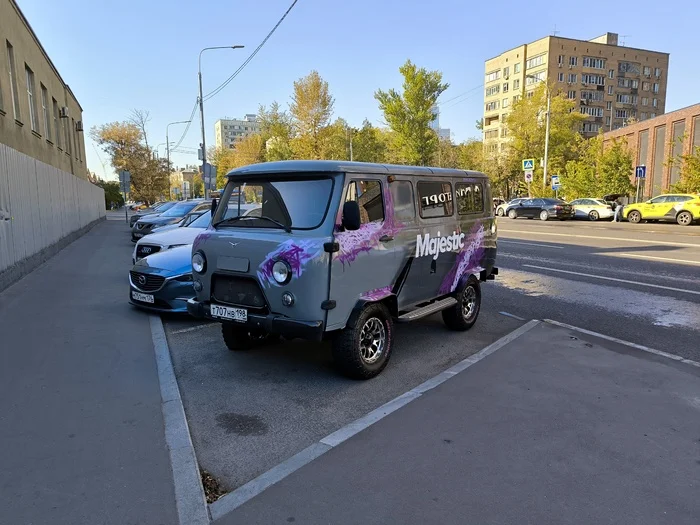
[546, 139]
[201, 113]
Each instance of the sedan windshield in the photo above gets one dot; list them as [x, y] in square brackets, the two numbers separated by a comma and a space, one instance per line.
[180, 210]
[298, 203]
[202, 221]
[164, 207]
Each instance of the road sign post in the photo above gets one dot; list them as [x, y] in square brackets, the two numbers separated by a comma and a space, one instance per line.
[556, 185]
[528, 179]
[528, 164]
[640, 172]
[125, 184]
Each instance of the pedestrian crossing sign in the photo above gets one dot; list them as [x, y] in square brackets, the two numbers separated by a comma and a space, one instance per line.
[528, 164]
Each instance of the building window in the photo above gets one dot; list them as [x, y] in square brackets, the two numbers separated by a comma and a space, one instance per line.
[535, 61]
[31, 98]
[611, 73]
[607, 121]
[489, 90]
[506, 71]
[13, 80]
[572, 78]
[55, 122]
[560, 77]
[491, 134]
[655, 102]
[516, 83]
[610, 90]
[645, 86]
[645, 101]
[436, 198]
[622, 113]
[591, 127]
[592, 95]
[571, 94]
[516, 98]
[516, 68]
[647, 71]
[505, 87]
[652, 115]
[657, 72]
[655, 88]
[504, 103]
[635, 84]
[560, 61]
[535, 78]
[492, 106]
[595, 63]
[66, 132]
[642, 116]
[592, 111]
[45, 112]
[627, 83]
[493, 75]
[626, 99]
[598, 80]
[628, 67]
[608, 105]
[573, 61]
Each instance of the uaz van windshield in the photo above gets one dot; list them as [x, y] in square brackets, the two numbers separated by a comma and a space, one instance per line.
[299, 203]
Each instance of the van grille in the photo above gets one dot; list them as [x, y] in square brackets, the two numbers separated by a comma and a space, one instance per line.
[146, 282]
[240, 291]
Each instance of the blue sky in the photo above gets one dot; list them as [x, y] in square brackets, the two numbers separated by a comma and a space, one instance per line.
[117, 56]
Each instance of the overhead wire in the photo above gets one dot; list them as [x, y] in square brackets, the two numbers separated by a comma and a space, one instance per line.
[257, 49]
[187, 128]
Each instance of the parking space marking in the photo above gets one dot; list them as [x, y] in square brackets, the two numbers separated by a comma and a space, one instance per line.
[189, 494]
[638, 241]
[653, 258]
[649, 285]
[241, 495]
[507, 314]
[532, 244]
[674, 357]
[193, 328]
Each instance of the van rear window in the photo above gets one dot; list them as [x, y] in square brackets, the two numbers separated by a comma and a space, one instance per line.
[435, 199]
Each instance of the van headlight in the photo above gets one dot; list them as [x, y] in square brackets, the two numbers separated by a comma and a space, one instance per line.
[282, 272]
[199, 263]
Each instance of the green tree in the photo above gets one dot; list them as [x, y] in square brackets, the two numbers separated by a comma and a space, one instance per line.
[311, 109]
[224, 160]
[579, 178]
[197, 186]
[689, 165]
[447, 154]
[112, 192]
[471, 155]
[335, 141]
[614, 169]
[409, 114]
[276, 129]
[369, 144]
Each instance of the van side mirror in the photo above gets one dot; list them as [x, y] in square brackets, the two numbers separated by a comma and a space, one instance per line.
[351, 216]
[213, 206]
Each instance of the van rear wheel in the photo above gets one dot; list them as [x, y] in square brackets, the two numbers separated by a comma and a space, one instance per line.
[239, 338]
[363, 348]
[463, 315]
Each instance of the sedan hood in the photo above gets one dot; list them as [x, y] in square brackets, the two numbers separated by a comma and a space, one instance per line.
[159, 220]
[171, 262]
[182, 235]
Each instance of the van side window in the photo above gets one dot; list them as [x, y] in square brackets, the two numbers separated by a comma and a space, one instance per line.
[435, 199]
[402, 193]
[470, 198]
[368, 194]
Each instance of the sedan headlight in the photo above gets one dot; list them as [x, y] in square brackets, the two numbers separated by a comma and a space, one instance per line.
[282, 272]
[198, 262]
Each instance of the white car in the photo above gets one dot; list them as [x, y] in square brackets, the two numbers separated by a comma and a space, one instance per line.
[182, 235]
[592, 209]
[501, 208]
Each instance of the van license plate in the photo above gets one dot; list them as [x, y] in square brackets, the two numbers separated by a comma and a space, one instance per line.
[143, 297]
[226, 312]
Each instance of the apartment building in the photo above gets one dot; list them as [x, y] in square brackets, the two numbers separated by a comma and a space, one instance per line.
[228, 131]
[39, 114]
[653, 142]
[613, 85]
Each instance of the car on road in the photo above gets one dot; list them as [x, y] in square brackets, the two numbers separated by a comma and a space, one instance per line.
[682, 208]
[152, 210]
[501, 208]
[162, 282]
[184, 222]
[342, 250]
[543, 209]
[145, 225]
[592, 209]
[180, 235]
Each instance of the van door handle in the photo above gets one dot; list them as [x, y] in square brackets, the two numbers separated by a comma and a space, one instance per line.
[386, 238]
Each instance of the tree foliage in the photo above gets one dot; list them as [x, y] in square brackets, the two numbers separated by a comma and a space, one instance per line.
[112, 192]
[311, 110]
[689, 165]
[277, 131]
[369, 144]
[409, 113]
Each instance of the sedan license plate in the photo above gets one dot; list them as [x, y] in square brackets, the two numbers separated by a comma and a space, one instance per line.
[143, 297]
[226, 312]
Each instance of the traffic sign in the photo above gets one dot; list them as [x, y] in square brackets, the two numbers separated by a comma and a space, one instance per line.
[640, 172]
[124, 176]
[555, 182]
[528, 176]
[528, 164]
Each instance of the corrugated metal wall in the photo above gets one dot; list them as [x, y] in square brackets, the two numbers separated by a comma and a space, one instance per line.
[39, 205]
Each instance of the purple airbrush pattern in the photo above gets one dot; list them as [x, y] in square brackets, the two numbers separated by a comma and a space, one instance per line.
[353, 243]
[296, 253]
[467, 260]
[200, 239]
[377, 294]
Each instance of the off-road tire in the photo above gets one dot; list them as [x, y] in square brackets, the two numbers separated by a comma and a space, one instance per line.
[347, 352]
[684, 218]
[634, 217]
[455, 317]
[239, 337]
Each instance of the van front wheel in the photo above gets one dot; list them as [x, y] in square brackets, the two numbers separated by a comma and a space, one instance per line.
[463, 315]
[363, 348]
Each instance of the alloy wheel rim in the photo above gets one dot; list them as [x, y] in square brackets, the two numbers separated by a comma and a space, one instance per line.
[372, 340]
[468, 302]
[683, 218]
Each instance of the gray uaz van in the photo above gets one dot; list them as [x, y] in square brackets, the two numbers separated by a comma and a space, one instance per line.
[342, 250]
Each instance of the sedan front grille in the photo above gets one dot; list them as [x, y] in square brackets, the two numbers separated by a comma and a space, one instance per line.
[145, 250]
[146, 282]
[240, 291]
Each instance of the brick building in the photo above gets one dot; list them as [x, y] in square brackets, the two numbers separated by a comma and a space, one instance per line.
[655, 141]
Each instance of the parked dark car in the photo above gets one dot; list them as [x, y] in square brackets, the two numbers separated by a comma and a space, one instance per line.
[151, 210]
[162, 282]
[145, 225]
[542, 208]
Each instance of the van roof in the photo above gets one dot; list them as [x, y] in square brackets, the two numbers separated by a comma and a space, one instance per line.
[344, 166]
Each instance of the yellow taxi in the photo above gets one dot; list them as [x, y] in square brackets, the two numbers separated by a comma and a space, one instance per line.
[683, 208]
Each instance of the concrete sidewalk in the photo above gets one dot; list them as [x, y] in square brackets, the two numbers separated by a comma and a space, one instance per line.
[555, 427]
[81, 427]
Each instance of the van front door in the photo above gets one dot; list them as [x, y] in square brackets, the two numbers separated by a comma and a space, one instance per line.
[365, 266]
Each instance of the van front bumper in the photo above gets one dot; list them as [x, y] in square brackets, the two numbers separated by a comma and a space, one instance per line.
[271, 323]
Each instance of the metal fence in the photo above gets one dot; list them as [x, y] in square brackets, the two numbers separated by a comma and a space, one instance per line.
[39, 205]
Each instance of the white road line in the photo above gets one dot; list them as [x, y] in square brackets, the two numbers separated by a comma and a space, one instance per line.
[639, 241]
[532, 244]
[512, 315]
[649, 285]
[651, 257]
[193, 328]
[238, 497]
[626, 343]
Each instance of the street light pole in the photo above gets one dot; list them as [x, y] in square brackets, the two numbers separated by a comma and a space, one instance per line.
[201, 110]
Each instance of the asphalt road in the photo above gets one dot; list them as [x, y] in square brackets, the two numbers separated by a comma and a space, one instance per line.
[637, 282]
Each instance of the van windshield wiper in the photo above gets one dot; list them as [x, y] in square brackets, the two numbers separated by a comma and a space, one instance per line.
[286, 228]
